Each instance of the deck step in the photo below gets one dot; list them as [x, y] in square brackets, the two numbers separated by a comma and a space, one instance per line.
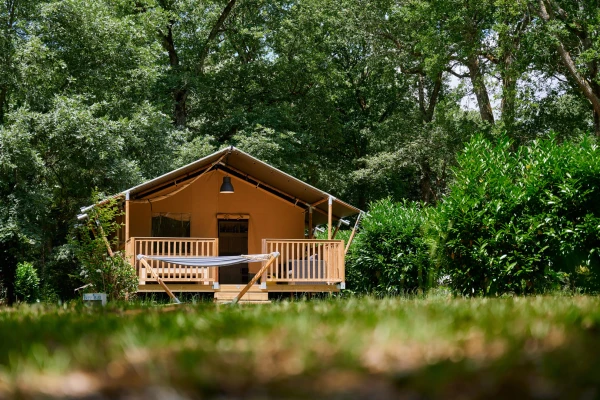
[244, 301]
[249, 296]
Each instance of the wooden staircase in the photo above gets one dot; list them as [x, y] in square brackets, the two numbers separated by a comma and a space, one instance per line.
[253, 296]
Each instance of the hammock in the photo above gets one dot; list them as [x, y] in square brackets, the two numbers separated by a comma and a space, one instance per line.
[211, 262]
[222, 261]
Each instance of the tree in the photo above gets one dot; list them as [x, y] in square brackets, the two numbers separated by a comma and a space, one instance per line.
[572, 29]
[14, 30]
[188, 32]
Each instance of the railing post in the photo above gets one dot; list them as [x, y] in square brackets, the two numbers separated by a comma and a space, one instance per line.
[215, 251]
[342, 267]
[263, 278]
[329, 217]
[310, 222]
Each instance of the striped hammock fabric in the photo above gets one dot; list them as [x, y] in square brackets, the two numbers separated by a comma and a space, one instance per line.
[211, 261]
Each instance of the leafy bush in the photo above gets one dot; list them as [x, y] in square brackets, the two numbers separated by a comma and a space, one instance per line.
[27, 283]
[524, 220]
[111, 275]
[390, 254]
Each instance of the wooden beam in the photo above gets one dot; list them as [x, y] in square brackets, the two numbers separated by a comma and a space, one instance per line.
[115, 197]
[108, 248]
[273, 287]
[319, 202]
[236, 216]
[256, 277]
[166, 196]
[310, 223]
[127, 219]
[353, 233]
[129, 253]
[160, 281]
[106, 242]
[337, 228]
[321, 211]
[179, 287]
[273, 195]
[329, 217]
[261, 183]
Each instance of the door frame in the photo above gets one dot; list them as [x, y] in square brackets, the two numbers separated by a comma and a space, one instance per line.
[244, 267]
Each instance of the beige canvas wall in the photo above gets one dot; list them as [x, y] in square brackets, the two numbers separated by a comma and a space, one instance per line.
[270, 216]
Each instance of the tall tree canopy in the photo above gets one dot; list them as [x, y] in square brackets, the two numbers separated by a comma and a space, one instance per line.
[364, 99]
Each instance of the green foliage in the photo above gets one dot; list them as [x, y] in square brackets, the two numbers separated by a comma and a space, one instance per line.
[111, 275]
[390, 254]
[363, 102]
[524, 220]
[27, 283]
[195, 149]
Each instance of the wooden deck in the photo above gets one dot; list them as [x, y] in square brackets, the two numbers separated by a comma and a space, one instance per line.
[304, 266]
[271, 288]
[256, 294]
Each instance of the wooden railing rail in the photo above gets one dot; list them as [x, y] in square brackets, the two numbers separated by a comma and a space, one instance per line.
[173, 247]
[305, 261]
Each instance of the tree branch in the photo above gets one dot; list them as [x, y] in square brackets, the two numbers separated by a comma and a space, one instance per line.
[571, 25]
[398, 44]
[435, 94]
[213, 33]
[169, 45]
[456, 74]
[565, 56]
[490, 57]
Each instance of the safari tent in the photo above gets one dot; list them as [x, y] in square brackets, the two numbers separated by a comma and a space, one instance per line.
[226, 204]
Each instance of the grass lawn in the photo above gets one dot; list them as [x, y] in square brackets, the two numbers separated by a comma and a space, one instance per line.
[538, 347]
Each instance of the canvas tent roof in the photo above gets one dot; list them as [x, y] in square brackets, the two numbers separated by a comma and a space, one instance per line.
[246, 167]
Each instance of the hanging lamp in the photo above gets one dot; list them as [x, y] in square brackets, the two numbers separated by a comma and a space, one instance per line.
[226, 186]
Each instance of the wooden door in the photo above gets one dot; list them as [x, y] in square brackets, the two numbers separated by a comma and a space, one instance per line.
[233, 241]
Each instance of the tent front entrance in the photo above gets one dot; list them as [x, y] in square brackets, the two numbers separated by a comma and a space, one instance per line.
[233, 241]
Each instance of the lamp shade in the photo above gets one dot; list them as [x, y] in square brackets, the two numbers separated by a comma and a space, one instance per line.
[226, 187]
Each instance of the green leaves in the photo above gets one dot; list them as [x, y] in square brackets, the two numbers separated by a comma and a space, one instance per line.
[112, 275]
[27, 283]
[526, 208]
[391, 253]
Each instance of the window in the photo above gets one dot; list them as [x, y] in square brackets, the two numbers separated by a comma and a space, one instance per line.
[170, 225]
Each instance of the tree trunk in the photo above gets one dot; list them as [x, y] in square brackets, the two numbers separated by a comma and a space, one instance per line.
[587, 88]
[427, 111]
[8, 257]
[2, 104]
[213, 34]
[509, 94]
[596, 92]
[180, 97]
[427, 108]
[477, 80]
[425, 181]
[180, 94]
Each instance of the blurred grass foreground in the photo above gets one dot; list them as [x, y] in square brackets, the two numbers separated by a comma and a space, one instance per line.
[536, 347]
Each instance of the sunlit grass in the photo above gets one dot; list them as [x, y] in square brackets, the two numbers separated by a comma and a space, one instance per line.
[336, 347]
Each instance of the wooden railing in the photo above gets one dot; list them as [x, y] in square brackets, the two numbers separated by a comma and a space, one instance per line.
[305, 261]
[174, 247]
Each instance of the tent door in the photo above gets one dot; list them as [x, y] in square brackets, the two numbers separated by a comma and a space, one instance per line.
[233, 241]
